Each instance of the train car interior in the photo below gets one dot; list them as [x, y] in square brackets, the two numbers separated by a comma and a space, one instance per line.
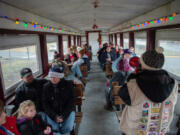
[121, 57]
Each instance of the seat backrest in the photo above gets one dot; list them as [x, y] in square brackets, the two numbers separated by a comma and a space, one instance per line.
[115, 90]
[79, 90]
[116, 83]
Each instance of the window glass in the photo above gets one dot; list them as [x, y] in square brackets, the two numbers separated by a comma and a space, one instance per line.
[140, 43]
[118, 39]
[170, 41]
[172, 55]
[14, 59]
[65, 44]
[105, 39]
[126, 40]
[51, 48]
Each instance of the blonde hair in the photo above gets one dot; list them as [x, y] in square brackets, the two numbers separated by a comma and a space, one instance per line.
[23, 108]
[82, 51]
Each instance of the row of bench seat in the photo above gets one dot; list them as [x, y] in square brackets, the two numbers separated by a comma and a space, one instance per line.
[79, 88]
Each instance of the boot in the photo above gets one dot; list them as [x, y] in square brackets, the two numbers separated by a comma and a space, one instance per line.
[84, 81]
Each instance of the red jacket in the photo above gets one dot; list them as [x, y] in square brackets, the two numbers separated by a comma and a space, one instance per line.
[10, 125]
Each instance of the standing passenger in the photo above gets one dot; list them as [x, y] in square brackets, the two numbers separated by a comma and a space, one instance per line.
[150, 97]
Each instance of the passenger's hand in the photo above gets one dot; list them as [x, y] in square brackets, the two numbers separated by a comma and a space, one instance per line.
[59, 119]
[47, 130]
[75, 82]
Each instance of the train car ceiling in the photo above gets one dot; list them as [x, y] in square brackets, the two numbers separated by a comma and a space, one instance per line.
[78, 15]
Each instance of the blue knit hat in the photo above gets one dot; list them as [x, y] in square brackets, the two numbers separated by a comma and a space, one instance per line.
[57, 71]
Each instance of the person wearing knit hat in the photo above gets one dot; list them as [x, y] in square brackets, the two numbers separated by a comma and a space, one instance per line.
[153, 60]
[150, 97]
[58, 101]
[56, 71]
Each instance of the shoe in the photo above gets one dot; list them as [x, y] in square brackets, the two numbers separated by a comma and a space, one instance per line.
[83, 97]
[84, 81]
[108, 107]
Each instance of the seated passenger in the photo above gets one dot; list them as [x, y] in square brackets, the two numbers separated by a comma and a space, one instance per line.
[58, 101]
[133, 54]
[29, 89]
[7, 124]
[106, 57]
[122, 63]
[120, 78]
[71, 57]
[29, 122]
[100, 52]
[76, 65]
[150, 97]
[86, 56]
[119, 53]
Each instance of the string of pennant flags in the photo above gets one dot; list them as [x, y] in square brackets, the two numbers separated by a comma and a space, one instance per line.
[160, 20]
[36, 25]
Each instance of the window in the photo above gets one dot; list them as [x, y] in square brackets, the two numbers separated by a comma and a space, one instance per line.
[104, 39]
[65, 44]
[13, 60]
[126, 40]
[17, 52]
[72, 40]
[118, 39]
[52, 46]
[140, 43]
[170, 41]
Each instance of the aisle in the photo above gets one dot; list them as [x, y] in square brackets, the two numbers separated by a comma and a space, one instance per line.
[96, 120]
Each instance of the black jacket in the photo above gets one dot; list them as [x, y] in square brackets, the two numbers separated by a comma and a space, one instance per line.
[156, 86]
[58, 100]
[31, 92]
[35, 126]
[104, 56]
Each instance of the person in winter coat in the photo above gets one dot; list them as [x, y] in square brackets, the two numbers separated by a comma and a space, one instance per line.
[59, 101]
[29, 89]
[150, 97]
[7, 124]
[120, 78]
[29, 122]
[71, 57]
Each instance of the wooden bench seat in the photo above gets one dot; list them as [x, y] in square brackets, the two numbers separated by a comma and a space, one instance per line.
[79, 88]
[117, 100]
[78, 117]
[84, 70]
[109, 71]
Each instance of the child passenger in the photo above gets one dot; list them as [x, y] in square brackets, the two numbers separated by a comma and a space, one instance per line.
[29, 122]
